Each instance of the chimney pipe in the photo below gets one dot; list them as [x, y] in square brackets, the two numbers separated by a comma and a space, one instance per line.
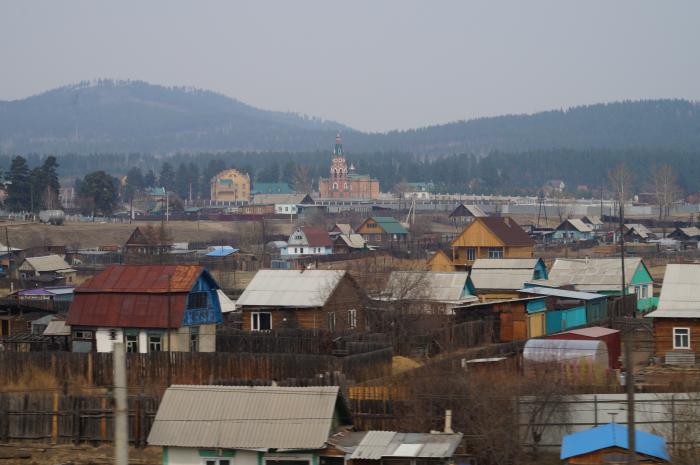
[448, 422]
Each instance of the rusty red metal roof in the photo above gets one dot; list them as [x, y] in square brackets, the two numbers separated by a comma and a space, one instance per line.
[134, 296]
[143, 279]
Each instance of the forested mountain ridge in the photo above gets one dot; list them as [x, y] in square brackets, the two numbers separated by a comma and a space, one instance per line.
[134, 116]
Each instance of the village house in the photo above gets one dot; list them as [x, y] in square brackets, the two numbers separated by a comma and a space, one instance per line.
[345, 240]
[501, 278]
[604, 276]
[465, 214]
[688, 234]
[635, 232]
[440, 261]
[293, 204]
[516, 319]
[429, 292]
[308, 240]
[677, 317]
[49, 269]
[262, 188]
[491, 237]
[568, 309]
[329, 300]
[593, 222]
[382, 229]
[572, 229]
[418, 190]
[250, 425]
[607, 444]
[150, 308]
[147, 241]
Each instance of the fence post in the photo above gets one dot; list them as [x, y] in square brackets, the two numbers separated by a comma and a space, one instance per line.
[54, 419]
[77, 427]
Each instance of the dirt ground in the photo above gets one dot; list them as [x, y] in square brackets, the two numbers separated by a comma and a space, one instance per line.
[29, 454]
[24, 235]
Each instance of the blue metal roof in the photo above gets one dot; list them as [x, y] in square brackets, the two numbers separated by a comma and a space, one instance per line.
[221, 251]
[610, 435]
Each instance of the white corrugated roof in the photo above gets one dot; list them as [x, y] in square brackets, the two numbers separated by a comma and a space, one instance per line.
[245, 417]
[353, 240]
[57, 328]
[578, 225]
[593, 274]
[227, 305]
[378, 444]
[503, 274]
[555, 292]
[290, 288]
[430, 286]
[680, 294]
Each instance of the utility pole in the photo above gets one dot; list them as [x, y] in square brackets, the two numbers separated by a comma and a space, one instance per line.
[629, 364]
[170, 366]
[9, 259]
[121, 409]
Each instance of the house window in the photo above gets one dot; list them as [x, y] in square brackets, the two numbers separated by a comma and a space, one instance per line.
[132, 343]
[352, 318]
[216, 461]
[194, 339]
[83, 335]
[197, 300]
[155, 343]
[260, 321]
[681, 338]
[495, 252]
[471, 253]
[331, 321]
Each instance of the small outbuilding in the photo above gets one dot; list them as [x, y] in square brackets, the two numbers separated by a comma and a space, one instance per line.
[579, 357]
[611, 337]
[608, 444]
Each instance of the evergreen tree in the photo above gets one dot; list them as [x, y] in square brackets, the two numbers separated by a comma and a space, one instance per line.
[194, 181]
[167, 176]
[134, 183]
[19, 186]
[97, 193]
[51, 185]
[150, 179]
[182, 181]
[213, 168]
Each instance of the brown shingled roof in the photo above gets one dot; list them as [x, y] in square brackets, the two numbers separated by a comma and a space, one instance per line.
[507, 230]
[317, 237]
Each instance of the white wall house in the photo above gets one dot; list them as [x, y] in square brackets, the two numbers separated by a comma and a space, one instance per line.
[308, 240]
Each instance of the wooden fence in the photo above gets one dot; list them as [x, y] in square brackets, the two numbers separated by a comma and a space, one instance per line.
[157, 370]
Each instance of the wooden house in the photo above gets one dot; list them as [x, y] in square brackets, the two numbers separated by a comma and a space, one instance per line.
[311, 299]
[382, 229]
[465, 214]
[604, 276]
[572, 229]
[496, 279]
[147, 241]
[593, 222]
[308, 240]
[490, 237]
[271, 425]
[607, 444]
[429, 292]
[49, 269]
[677, 319]
[568, 309]
[635, 232]
[150, 308]
[517, 319]
[685, 234]
[440, 261]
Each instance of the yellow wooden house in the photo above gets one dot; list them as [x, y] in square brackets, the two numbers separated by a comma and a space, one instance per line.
[491, 237]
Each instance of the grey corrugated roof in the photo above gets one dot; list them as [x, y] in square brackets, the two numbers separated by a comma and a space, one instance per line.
[578, 225]
[355, 241]
[680, 294]
[430, 286]
[593, 274]
[378, 444]
[502, 273]
[57, 328]
[578, 295]
[290, 288]
[245, 417]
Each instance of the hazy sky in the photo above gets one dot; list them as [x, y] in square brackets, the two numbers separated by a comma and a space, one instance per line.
[374, 64]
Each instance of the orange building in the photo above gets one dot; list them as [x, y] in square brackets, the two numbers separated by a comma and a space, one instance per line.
[343, 182]
[230, 186]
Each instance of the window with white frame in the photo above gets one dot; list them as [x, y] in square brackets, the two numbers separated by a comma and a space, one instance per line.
[352, 318]
[681, 338]
[471, 253]
[495, 252]
[155, 343]
[260, 321]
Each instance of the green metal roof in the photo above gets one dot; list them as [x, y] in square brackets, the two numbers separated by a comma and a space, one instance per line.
[271, 188]
[390, 225]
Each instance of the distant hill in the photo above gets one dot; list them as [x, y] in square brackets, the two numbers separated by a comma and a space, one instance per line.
[133, 116]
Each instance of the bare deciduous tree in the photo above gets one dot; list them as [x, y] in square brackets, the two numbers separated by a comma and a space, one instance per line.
[664, 185]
